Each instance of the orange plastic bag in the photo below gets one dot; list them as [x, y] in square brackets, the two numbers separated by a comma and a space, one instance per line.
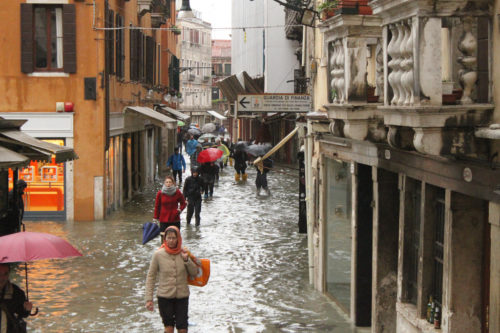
[203, 275]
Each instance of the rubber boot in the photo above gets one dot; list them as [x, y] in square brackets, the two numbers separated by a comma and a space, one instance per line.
[237, 177]
[231, 161]
[245, 176]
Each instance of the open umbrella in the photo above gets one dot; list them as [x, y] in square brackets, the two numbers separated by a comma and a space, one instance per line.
[194, 131]
[180, 123]
[209, 155]
[208, 128]
[258, 150]
[149, 231]
[206, 136]
[28, 246]
[240, 146]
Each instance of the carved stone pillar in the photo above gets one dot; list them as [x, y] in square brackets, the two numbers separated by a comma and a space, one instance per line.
[468, 47]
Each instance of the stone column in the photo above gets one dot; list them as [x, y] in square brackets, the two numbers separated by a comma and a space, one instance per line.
[494, 220]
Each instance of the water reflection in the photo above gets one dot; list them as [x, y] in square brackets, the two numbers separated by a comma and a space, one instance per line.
[258, 277]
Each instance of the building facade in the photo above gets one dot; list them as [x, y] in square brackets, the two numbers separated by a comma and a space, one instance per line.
[402, 174]
[195, 49]
[221, 68]
[87, 76]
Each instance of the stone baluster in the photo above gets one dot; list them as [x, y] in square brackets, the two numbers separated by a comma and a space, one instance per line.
[333, 77]
[397, 65]
[407, 66]
[341, 82]
[468, 75]
[409, 76]
[392, 63]
[403, 65]
[379, 71]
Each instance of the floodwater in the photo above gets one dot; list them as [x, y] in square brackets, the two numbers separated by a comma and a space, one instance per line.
[258, 282]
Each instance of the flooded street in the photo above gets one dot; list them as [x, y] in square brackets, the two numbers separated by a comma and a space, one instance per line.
[258, 280]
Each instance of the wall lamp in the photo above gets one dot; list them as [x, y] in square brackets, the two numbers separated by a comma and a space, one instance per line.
[307, 14]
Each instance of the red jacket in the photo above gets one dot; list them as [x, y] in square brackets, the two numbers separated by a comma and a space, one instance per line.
[168, 207]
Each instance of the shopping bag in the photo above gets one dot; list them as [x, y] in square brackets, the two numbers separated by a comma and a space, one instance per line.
[201, 278]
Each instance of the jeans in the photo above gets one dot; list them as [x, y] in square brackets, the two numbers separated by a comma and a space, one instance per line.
[194, 206]
[177, 173]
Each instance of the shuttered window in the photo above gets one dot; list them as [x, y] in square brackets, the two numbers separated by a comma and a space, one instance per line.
[150, 59]
[120, 47]
[48, 38]
[110, 43]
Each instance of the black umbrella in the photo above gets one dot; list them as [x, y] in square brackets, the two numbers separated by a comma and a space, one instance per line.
[240, 145]
[258, 150]
[149, 231]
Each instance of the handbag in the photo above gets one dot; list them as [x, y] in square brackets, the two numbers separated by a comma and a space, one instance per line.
[201, 278]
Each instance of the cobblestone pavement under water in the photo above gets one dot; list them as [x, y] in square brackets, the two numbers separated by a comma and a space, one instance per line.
[259, 277]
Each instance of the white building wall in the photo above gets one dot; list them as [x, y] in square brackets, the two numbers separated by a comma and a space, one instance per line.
[247, 46]
[262, 48]
[280, 52]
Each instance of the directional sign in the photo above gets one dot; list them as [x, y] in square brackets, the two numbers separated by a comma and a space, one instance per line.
[275, 103]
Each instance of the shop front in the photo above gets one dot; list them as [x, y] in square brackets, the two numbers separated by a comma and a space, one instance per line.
[49, 193]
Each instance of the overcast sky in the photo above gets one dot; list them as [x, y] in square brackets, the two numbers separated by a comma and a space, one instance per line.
[216, 12]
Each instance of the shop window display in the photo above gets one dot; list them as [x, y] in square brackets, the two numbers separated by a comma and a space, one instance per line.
[45, 191]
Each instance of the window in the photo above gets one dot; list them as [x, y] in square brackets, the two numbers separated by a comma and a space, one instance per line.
[227, 69]
[110, 43]
[120, 48]
[48, 38]
[412, 238]
[437, 277]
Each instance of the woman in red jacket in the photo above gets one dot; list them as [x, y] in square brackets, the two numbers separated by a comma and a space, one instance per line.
[169, 204]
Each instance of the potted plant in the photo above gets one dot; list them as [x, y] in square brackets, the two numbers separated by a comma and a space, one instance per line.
[333, 94]
[327, 8]
[175, 29]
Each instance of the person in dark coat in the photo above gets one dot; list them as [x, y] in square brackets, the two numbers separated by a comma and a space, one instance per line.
[193, 187]
[194, 157]
[240, 164]
[261, 180]
[15, 211]
[13, 303]
[209, 172]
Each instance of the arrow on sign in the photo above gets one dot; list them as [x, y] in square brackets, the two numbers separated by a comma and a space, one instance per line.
[243, 102]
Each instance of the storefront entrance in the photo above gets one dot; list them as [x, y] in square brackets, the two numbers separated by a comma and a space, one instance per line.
[44, 198]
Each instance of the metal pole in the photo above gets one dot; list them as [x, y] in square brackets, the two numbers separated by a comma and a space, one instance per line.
[235, 124]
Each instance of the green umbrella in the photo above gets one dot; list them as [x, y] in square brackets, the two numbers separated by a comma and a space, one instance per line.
[180, 123]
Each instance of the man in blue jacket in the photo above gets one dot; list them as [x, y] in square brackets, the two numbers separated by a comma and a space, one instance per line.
[178, 165]
[191, 145]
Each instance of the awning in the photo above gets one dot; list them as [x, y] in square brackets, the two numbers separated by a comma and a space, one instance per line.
[216, 115]
[156, 117]
[175, 113]
[11, 159]
[34, 149]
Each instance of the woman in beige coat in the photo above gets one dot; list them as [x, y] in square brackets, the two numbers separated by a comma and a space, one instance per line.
[171, 264]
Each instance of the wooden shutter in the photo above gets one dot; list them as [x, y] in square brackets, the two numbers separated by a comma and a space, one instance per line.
[132, 54]
[27, 62]
[111, 42]
[118, 46]
[69, 38]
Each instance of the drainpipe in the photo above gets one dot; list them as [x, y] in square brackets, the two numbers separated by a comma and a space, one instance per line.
[309, 196]
[492, 132]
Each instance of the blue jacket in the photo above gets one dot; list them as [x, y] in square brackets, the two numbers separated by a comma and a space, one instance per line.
[191, 146]
[176, 161]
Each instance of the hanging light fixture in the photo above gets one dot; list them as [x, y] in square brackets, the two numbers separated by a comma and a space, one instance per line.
[185, 12]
